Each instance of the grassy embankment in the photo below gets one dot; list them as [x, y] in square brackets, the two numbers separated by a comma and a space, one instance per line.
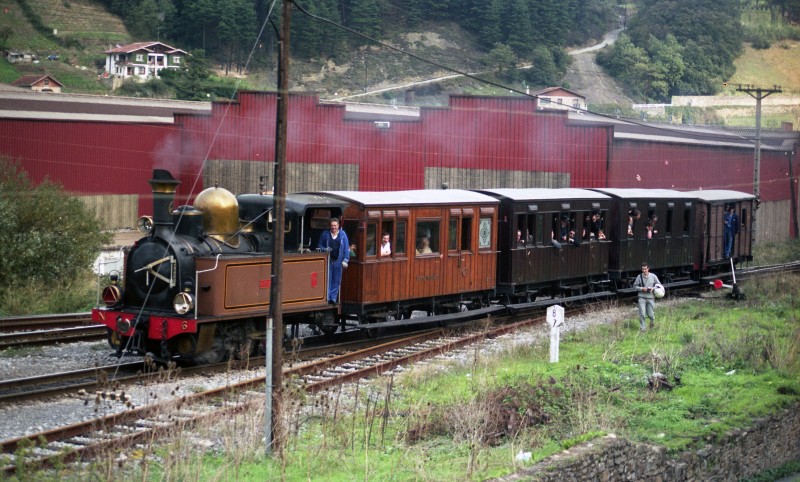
[778, 65]
[467, 418]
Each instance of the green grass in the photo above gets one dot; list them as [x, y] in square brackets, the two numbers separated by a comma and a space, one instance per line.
[8, 73]
[466, 420]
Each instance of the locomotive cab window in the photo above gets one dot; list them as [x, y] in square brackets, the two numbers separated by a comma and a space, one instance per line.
[427, 241]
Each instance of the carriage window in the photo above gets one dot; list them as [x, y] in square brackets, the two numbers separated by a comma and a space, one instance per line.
[399, 242]
[466, 234]
[563, 224]
[669, 222]
[485, 233]
[633, 221]
[452, 235]
[387, 227]
[427, 241]
[372, 230]
[539, 233]
[686, 217]
[586, 227]
[743, 218]
[520, 226]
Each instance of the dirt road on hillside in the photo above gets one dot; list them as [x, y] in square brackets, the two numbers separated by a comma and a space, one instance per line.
[585, 77]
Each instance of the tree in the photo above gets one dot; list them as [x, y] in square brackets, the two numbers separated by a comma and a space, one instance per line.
[190, 81]
[504, 61]
[236, 31]
[544, 70]
[49, 238]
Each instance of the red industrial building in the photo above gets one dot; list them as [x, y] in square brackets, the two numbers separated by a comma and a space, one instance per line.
[104, 148]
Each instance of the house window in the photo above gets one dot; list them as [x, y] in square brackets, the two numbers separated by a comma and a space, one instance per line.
[576, 103]
[46, 81]
[560, 101]
[140, 71]
[140, 57]
[176, 60]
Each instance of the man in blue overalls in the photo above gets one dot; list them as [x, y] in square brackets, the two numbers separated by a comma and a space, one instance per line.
[337, 245]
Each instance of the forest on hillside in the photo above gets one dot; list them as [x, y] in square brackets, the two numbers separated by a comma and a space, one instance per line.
[226, 30]
[688, 47]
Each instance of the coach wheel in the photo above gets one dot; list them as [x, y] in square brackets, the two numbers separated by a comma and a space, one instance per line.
[375, 332]
[326, 322]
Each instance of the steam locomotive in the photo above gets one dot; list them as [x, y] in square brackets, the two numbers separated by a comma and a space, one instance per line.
[196, 286]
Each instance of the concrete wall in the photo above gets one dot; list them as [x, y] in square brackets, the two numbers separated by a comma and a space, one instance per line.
[768, 443]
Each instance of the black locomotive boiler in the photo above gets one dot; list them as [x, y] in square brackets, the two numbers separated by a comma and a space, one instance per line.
[197, 285]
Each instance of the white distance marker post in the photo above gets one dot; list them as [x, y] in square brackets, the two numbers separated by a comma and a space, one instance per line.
[555, 318]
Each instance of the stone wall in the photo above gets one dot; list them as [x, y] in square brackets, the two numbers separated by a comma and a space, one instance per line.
[768, 443]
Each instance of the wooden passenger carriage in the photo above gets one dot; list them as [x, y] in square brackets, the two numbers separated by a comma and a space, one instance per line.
[548, 259]
[709, 254]
[667, 246]
[457, 273]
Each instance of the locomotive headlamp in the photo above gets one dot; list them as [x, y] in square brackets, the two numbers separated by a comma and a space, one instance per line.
[112, 294]
[144, 224]
[183, 303]
[123, 325]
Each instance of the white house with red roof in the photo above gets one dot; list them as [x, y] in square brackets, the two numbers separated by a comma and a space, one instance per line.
[142, 60]
[559, 98]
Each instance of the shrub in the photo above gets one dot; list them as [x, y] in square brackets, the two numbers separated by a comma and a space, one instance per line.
[49, 242]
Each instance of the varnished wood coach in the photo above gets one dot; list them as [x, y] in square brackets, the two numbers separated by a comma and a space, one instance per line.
[560, 250]
[443, 252]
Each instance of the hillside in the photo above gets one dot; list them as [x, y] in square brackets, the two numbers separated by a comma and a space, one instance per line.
[80, 30]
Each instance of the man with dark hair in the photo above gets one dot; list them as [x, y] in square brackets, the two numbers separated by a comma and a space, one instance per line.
[646, 282]
[335, 242]
[729, 230]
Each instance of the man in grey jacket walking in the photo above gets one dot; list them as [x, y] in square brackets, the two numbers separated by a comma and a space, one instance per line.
[646, 282]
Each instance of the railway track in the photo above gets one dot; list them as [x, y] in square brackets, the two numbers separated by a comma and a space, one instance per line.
[49, 337]
[145, 424]
[43, 322]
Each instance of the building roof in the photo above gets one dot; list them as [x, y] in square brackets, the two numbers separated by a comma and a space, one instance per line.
[633, 130]
[557, 92]
[126, 49]
[29, 80]
[27, 104]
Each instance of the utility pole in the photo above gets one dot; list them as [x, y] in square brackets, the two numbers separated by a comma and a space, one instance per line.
[757, 93]
[275, 431]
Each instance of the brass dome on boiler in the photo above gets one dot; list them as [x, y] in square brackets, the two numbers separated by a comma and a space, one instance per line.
[220, 214]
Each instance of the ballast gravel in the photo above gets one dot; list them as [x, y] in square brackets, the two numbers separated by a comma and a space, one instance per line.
[26, 418]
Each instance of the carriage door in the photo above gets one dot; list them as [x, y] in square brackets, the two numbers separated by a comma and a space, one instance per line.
[460, 252]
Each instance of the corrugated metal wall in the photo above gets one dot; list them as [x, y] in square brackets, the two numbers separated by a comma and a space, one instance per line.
[462, 143]
[474, 142]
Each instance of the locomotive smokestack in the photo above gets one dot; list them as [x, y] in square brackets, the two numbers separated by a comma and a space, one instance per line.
[164, 186]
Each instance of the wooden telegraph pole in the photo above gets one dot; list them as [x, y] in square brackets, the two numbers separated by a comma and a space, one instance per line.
[275, 430]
